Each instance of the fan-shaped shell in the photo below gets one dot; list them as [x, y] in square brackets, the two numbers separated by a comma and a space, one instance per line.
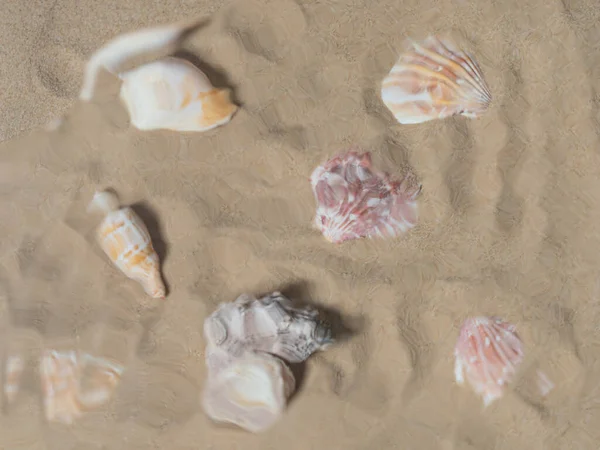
[487, 354]
[124, 238]
[250, 390]
[172, 93]
[435, 79]
[63, 375]
[269, 324]
[355, 201]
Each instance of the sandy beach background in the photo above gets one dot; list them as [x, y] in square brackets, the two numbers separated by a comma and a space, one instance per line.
[509, 221]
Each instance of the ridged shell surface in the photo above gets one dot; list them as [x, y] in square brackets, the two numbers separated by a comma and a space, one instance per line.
[435, 79]
[355, 201]
[487, 354]
[268, 324]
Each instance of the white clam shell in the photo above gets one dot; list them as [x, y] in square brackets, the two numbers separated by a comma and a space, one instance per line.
[250, 391]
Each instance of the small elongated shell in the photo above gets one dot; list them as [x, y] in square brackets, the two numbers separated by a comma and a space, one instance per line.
[13, 370]
[124, 238]
[73, 383]
[250, 390]
[355, 201]
[173, 94]
[487, 354]
[269, 324]
[435, 79]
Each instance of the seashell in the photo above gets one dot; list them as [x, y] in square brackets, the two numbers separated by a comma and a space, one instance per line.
[435, 79]
[269, 324]
[174, 94]
[124, 238]
[250, 390]
[355, 201]
[169, 93]
[13, 370]
[63, 374]
[487, 354]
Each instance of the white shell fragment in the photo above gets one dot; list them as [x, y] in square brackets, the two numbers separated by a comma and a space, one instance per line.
[251, 391]
[249, 342]
[74, 382]
[435, 79]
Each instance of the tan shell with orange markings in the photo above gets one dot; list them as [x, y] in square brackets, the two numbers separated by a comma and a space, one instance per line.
[173, 94]
[73, 383]
[124, 238]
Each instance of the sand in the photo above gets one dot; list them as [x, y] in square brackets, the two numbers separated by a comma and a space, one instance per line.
[509, 217]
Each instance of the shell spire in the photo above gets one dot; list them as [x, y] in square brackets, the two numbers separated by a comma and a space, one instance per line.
[104, 201]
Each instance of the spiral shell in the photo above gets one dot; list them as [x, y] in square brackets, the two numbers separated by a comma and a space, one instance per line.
[124, 238]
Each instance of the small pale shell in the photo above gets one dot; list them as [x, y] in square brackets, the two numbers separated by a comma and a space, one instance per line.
[355, 201]
[173, 94]
[435, 79]
[269, 324]
[124, 238]
[73, 383]
[250, 390]
[13, 370]
[487, 353]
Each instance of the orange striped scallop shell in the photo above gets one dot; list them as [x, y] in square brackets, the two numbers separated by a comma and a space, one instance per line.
[124, 238]
[435, 79]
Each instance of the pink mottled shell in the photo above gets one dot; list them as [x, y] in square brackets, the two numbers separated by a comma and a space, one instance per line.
[487, 354]
[355, 201]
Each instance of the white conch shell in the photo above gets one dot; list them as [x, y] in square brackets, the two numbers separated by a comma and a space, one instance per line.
[269, 324]
[169, 93]
[250, 391]
[174, 94]
[62, 375]
[435, 79]
[124, 238]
